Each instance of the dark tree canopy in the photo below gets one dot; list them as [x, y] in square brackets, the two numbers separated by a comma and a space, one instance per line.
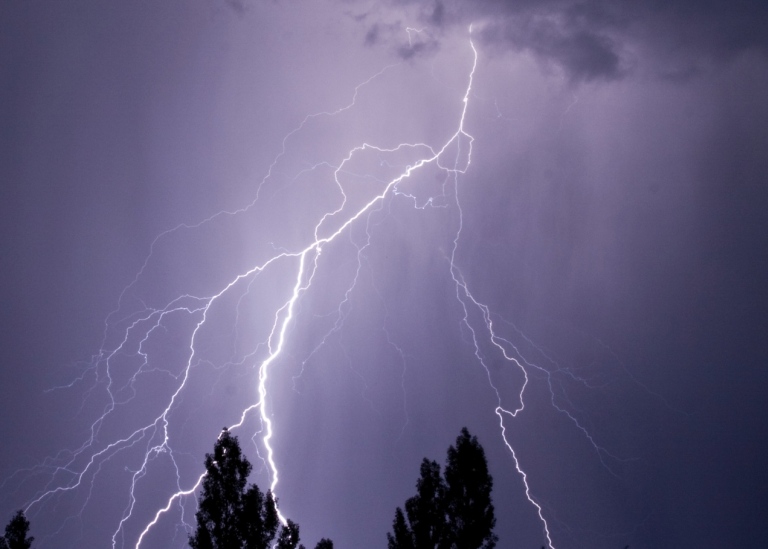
[289, 536]
[426, 510]
[220, 521]
[16, 533]
[469, 506]
[231, 517]
[402, 538]
[451, 512]
[261, 520]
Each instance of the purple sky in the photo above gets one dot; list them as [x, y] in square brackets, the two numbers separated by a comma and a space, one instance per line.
[610, 221]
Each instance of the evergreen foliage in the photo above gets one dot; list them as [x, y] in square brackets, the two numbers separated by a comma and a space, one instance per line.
[16, 533]
[231, 517]
[468, 502]
[450, 512]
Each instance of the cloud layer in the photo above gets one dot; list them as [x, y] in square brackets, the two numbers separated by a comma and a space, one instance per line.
[595, 39]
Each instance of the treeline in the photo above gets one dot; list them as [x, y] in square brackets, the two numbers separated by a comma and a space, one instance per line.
[452, 508]
[16, 533]
[447, 512]
[233, 515]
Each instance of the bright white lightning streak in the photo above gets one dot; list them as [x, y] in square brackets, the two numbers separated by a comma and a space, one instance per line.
[156, 432]
[461, 288]
[279, 327]
[316, 248]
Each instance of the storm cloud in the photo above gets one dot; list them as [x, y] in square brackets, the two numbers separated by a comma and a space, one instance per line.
[609, 226]
[593, 40]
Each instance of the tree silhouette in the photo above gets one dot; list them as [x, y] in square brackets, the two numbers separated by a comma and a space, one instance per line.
[289, 536]
[220, 511]
[16, 533]
[426, 511]
[454, 512]
[470, 511]
[260, 520]
[231, 517]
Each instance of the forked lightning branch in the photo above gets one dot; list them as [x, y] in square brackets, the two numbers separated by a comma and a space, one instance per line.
[450, 158]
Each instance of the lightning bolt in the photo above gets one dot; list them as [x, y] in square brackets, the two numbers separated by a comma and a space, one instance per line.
[152, 441]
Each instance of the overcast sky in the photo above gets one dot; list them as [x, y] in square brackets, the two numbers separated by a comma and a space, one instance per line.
[590, 250]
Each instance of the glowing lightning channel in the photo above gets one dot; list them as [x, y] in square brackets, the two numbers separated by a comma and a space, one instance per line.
[283, 316]
[155, 434]
[461, 288]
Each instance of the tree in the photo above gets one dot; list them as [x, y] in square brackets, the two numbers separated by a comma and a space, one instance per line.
[220, 523]
[426, 511]
[289, 536]
[231, 517]
[402, 537]
[454, 512]
[261, 520]
[469, 507]
[16, 533]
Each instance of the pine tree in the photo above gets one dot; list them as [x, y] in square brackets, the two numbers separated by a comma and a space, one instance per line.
[260, 520]
[470, 511]
[402, 537]
[220, 510]
[231, 517]
[289, 536]
[426, 511]
[454, 512]
[16, 533]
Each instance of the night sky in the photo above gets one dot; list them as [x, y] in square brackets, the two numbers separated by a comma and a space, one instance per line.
[542, 220]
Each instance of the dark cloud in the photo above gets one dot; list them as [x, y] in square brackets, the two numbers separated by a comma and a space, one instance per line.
[596, 39]
[372, 36]
[238, 6]
[619, 227]
[418, 42]
[438, 13]
[583, 54]
[411, 50]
